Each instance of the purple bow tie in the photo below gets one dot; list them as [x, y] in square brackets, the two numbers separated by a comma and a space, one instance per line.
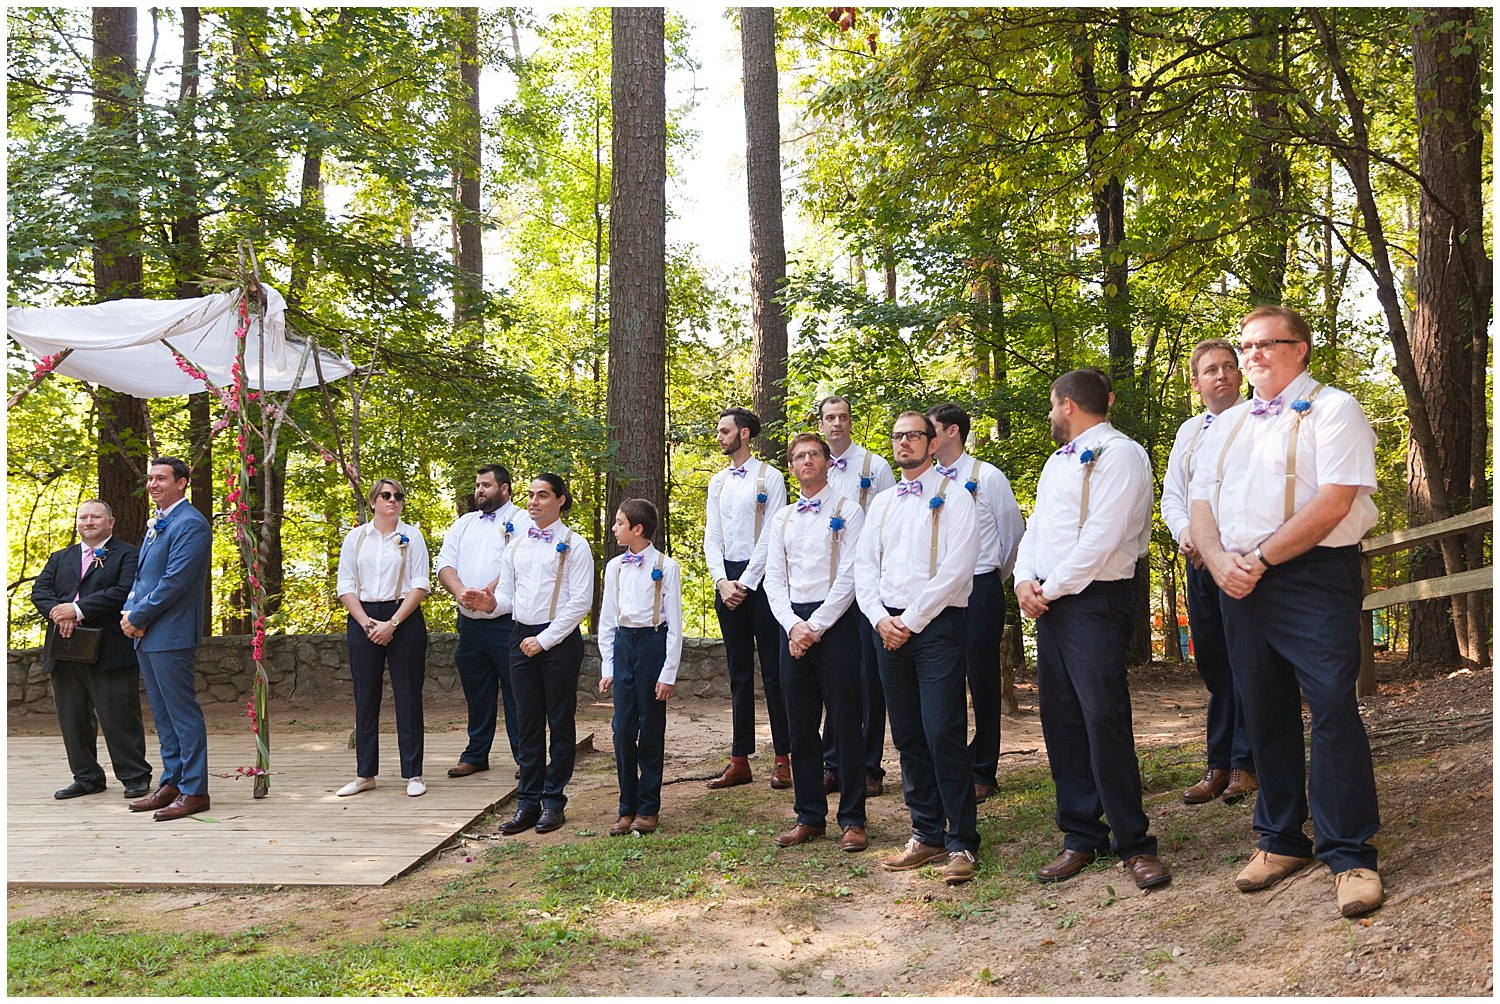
[1067, 451]
[540, 534]
[838, 465]
[951, 473]
[1208, 419]
[809, 505]
[486, 517]
[633, 559]
[904, 487]
[737, 472]
[1272, 407]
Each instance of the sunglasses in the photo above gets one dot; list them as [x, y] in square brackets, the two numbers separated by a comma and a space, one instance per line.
[393, 496]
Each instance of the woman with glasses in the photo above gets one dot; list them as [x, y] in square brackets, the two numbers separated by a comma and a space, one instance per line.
[382, 580]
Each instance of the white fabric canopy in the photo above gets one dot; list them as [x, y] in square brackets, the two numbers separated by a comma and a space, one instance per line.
[119, 344]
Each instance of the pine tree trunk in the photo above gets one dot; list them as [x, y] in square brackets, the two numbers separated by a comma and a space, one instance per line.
[468, 278]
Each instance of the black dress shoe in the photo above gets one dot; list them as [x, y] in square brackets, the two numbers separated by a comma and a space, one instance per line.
[549, 820]
[138, 790]
[524, 819]
[77, 788]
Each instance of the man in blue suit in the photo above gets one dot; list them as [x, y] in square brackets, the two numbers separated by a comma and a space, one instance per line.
[164, 614]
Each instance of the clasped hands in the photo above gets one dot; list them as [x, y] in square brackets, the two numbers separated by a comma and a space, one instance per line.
[732, 592]
[129, 629]
[65, 617]
[1236, 574]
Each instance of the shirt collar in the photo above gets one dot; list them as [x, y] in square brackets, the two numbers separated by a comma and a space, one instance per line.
[1293, 391]
[101, 545]
[167, 511]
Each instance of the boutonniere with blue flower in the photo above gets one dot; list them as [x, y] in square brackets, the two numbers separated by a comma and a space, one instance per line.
[1301, 405]
[935, 503]
[835, 524]
[656, 575]
[402, 541]
[760, 498]
[971, 486]
[1091, 456]
[510, 528]
[866, 482]
[562, 546]
[99, 555]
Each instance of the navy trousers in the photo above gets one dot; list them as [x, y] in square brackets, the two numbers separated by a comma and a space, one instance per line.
[872, 710]
[172, 688]
[986, 628]
[1295, 638]
[406, 658]
[546, 686]
[1228, 741]
[80, 690]
[924, 693]
[827, 677]
[1086, 720]
[748, 630]
[483, 662]
[640, 723]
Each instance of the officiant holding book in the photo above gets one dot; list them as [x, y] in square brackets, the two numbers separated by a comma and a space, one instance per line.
[96, 679]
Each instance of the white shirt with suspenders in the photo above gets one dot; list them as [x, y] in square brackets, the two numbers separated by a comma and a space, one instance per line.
[915, 555]
[1000, 523]
[641, 595]
[376, 568]
[1183, 461]
[738, 508]
[547, 577]
[474, 547]
[809, 561]
[1257, 470]
[860, 475]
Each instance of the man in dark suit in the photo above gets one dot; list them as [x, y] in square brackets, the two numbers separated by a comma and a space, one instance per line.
[164, 614]
[85, 585]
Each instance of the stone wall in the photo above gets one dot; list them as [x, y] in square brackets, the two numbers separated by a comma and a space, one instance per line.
[317, 666]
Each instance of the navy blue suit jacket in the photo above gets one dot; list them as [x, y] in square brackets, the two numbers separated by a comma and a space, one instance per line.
[167, 599]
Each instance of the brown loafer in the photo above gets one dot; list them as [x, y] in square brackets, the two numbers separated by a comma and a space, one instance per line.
[733, 775]
[621, 827]
[643, 824]
[1148, 870]
[1241, 783]
[781, 776]
[983, 791]
[465, 769]
[182, 805]
[1215, 780]
[1359, 891]
[799, 834]
[830, 782]
[914, 855]
[1066, 865]
[158, 799]
[1266, 869]
[874, 786]
[855, 839]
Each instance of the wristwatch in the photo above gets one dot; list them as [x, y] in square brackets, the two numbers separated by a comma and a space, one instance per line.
[1262, 558]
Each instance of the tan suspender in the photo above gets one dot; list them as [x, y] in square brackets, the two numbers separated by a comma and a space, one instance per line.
[562, 561]
[1187, 461]
[1224, 455]
[833, 563]
[865, 481]
[400, 569]
[974, 476]
[760, 507]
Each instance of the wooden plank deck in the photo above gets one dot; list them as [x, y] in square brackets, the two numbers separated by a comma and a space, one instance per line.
[300, 834]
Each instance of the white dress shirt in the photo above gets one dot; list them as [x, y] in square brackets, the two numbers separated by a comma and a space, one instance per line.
[845, 480]
[386, 570]
[899, 527]
[528, 578]
[799, 557]
[103, 545]
[629, 601]
[729, 531]
[1000, 523]
[1335, 446]
[1187, 454]
[474, 547]
[1067, 558]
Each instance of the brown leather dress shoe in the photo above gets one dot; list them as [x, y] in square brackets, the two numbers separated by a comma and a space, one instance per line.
[643, 824]
[830, 782]
[1241, 783]
[874, 786]
[781, 776]
[855, 839]
[622, 826]
[1066, 865]
[158, 799]
[799, 834]
[733, 775]
[1215, 779]
[1148, 870]
[465, 769]
[182, 805]
[983, 791]
[914, 855]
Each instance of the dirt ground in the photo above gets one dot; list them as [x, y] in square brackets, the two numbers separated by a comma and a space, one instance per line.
[1093, 935]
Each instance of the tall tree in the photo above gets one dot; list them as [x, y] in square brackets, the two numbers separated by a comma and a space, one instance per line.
[123, 419]
[767, 239]
[468, 255]
[636, 397]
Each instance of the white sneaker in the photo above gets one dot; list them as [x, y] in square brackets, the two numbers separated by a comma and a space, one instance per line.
[416, 786]
[356, 786]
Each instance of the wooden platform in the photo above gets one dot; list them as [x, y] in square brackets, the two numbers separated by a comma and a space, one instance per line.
[300, 834]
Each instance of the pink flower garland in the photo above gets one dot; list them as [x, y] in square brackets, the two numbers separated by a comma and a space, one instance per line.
[46, 365]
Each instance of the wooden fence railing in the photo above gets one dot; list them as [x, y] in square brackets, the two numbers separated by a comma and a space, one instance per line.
[1473, 580]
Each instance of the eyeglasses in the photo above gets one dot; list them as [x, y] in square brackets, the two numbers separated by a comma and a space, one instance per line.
[799, 457]
[393, 496]
[1265, 345]
[910, 436]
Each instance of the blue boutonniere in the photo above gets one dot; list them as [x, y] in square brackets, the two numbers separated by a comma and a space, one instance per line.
[1301, 405]
[971, 486]
[1089, 456]
[656, 575]
[936, 502]
[562, 545]
[402, 541]
[760, 498]
[99, 555]
[836, 524]
[865, 483]
[510, 527]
